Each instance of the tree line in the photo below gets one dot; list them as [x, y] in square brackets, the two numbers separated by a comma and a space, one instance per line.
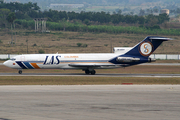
[31, 10]
[11, 13]
[80, 27]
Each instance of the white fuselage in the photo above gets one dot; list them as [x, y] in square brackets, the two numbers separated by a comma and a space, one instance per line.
[61, 61]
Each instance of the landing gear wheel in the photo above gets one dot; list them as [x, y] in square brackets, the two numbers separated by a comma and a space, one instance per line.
[20, 71]
[93, 72]
[87, 71]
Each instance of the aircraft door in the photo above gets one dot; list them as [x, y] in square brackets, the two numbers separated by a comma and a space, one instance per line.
[22, 58]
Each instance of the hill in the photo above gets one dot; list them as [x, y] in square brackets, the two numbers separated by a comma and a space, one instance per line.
[45, 4]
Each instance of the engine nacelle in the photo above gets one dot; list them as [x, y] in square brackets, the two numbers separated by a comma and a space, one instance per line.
[127, 59]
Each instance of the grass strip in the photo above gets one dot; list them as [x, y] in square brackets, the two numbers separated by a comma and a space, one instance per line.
[65, 80]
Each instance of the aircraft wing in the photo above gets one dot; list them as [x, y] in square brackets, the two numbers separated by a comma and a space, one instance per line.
[90, 65]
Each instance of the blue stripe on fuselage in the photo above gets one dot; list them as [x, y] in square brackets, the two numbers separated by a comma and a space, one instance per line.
[28, 65]
[21, 65]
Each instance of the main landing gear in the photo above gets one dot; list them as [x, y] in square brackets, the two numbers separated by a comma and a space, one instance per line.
[92, 72]
[20, 71]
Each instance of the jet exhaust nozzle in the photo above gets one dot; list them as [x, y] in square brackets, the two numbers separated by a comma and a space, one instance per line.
[151, 60]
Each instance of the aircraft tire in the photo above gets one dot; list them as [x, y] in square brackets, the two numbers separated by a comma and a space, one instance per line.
[20, 71]
[93, 72]
[87, 72]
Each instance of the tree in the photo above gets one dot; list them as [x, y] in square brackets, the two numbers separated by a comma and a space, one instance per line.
[149, 11]
[3, 15]
[131, 13]
[21, 9]
[86, 21]
[178, 10]
[41, 51]
[2, 1]
[141, 12]
[155, 10]
[152, 22]
[141, 20]
[163, 17]
[36, 7]
[79, 44]
[118, 11]
[10, 18]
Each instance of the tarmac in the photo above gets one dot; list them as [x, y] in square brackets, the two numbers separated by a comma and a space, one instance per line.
[90, 102]
[97, 75]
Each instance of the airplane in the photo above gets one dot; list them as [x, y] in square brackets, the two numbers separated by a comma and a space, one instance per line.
[88, 62]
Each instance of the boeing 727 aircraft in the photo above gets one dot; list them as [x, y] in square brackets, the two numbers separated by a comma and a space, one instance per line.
[89, 62]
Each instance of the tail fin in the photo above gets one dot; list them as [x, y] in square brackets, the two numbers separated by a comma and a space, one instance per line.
[140, 53]
[146, 47]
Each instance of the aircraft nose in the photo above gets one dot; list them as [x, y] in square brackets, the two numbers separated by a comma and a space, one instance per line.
[6, 63]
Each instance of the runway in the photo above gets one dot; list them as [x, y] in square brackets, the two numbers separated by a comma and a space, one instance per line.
[87, 102]
[97, 75]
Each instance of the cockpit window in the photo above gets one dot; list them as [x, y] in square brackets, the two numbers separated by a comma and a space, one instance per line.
[13, 59]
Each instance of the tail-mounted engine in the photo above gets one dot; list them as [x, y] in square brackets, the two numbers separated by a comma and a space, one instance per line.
[127, 59]
[131, 59]
[151, 60]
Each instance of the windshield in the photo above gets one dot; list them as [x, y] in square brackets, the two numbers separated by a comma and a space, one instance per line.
[13, 59]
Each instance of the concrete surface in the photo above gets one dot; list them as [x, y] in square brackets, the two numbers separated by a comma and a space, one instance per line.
[87, 102]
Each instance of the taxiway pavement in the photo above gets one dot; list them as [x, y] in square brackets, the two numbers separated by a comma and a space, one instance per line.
[90, 102]
[97, 75]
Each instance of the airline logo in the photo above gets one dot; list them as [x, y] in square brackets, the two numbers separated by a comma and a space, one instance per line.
[146, 48]
[50, 60]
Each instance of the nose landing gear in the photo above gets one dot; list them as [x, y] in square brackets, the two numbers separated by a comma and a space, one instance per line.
[20, 71]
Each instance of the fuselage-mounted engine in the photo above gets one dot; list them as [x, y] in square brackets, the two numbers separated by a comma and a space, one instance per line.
[127, 59]
[131, 59]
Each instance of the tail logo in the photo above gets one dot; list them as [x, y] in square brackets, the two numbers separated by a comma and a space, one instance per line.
[146, 48]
